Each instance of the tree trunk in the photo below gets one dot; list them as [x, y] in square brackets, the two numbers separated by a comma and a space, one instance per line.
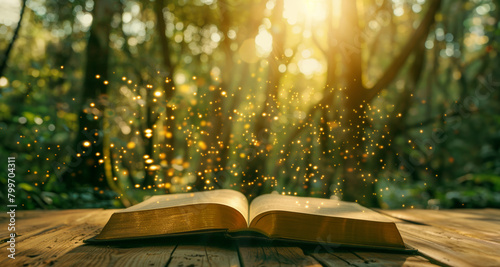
[89, 143]
[210, 165]
[331, 87]
[256, 166]
[357, 185]
[168, 85]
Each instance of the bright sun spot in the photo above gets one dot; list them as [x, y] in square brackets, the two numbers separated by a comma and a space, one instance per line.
[85, 19]
[304, 11]
[264, 42]
[310, 66]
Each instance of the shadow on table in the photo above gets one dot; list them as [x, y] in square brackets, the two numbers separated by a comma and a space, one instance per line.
[218, 250]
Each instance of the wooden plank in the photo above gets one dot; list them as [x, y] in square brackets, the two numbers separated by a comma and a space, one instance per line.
[204, 255]
[449, 247]
[267, 255]
[36, 220]
[482, 224]
[294, 256]
[453, 237]
[331, 259]
[60, 242]
[495, 213]
[51, 222]
[258, 256]
[393, 259]
[55, 236]
[91, 255]
[457, 238]
[334, 257]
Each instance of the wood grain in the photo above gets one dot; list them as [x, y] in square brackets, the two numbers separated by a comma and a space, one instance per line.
[91, 255]
[55, 238]
[267, 255]
[367, 258]
[42, 239]
[449, 247]
[391, 259]
[202, 255]
[484, 224]
[452, 237]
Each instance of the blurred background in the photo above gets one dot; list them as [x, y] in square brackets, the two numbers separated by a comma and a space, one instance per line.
[391, 103]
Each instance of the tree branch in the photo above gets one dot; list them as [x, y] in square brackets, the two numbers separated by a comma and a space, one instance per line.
[316, 42]
[392, 71]
[11, 44]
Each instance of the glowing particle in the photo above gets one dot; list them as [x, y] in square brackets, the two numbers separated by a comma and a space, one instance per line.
[202, 145]
[130, 145]
[154, 167]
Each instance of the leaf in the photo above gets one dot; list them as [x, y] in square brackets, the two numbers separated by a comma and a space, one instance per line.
[27, 187]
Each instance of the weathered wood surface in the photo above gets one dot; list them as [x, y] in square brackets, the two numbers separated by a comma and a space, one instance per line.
[453, 237]
[55, 238]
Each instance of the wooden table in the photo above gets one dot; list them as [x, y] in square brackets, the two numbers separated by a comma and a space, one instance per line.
[55, 238]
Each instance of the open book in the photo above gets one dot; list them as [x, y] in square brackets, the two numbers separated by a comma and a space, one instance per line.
[272, 215]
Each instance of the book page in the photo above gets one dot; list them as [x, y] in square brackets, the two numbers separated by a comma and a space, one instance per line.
[231, 198]
[313, 206]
